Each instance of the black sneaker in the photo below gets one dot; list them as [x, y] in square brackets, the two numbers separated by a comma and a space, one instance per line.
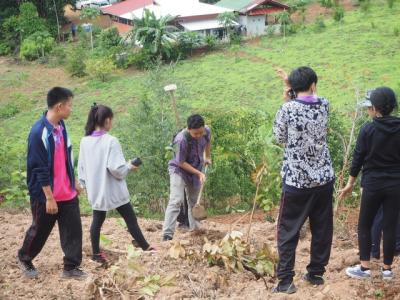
[100, 258]
[287, 288]
[167, 238]
[314, 279]
[28, 268]
[74, 273]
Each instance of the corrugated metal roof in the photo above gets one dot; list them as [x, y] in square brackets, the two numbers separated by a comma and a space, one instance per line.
[244, 6]
[124, 7]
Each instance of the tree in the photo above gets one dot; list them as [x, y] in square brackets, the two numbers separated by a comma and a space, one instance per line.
[89, 14]
[29, 21]
[227, 20]
[155, 34]
[284, 20]
[37, 45]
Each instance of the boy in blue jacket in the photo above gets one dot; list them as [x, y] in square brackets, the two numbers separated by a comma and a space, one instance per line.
[52, 190]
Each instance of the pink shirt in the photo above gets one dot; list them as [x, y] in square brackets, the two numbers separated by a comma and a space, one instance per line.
[62, 189]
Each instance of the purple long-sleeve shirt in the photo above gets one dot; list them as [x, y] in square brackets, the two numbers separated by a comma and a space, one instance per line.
[195, 157]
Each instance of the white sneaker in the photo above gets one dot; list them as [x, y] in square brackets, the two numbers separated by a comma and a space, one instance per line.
[387, 274]
[356, 272]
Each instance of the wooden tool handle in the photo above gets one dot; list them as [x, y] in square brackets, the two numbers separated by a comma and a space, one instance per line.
[201, 188]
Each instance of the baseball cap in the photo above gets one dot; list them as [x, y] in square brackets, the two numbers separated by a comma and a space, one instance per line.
[366, 102]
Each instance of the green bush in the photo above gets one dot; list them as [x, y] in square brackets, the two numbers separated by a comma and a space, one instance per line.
[76, 61]
[59, 55]
[326, 3]
[4, 49]
[100, 68]
[319, 24]
[141, 59]
[109, 38]
[211, 41]
[338, 13]
[10, 33]
[36, 45]
[187, 41]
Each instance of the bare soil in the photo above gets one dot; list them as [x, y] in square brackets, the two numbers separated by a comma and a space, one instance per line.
[195, 279]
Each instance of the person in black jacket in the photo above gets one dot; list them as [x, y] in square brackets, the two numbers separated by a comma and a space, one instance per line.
[377, 154]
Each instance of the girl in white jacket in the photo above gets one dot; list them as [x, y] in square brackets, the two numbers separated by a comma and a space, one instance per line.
[102, 169]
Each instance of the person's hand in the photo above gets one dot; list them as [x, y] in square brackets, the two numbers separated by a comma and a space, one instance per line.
[79, 189]
[208, 162]
[283, 75]
[345, 191]
[286, 94]
[202, 177]
[51, 206]
[133, 167]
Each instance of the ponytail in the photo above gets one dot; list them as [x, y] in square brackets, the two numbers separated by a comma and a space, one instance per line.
[97, 116]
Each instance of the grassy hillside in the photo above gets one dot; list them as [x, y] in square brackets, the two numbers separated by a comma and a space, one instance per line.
[359, 53]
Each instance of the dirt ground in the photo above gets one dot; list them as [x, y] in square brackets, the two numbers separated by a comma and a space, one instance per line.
[194, 279]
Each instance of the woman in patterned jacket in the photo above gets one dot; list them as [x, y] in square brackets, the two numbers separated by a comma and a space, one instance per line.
[307, 177]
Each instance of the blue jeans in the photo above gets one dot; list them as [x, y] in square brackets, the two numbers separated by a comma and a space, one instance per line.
[376, 234]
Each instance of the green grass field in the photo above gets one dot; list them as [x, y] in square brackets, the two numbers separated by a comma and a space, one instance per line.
[360, 53]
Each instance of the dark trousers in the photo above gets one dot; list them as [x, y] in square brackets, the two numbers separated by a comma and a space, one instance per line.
[376, 234]
[371, 201]
[295, 208]
[70, 229]
[183, 217]
[126, 211]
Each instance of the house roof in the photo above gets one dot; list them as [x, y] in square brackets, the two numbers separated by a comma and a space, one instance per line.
[180, 8]
[202, 24]
[245, 6]
[124, 7]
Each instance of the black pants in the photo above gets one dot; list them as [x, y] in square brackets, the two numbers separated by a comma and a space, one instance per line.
[376, 234]
[70, 228]
[295, 207]
[371, 201]
[183, 217]
[126, 211]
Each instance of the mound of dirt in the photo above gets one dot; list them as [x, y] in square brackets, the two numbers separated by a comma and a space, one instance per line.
[194, 278]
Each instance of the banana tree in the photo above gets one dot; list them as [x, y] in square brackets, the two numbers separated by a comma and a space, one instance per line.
[155, 34]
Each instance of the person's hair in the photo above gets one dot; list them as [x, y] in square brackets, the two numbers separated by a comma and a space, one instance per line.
[301, 79]
[98, 115]
[384, 100]
[58, 94]
[195, 122]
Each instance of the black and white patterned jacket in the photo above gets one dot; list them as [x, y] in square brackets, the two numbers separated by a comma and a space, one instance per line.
[302, 128]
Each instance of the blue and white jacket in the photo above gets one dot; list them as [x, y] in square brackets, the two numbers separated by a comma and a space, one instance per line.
[40, 158]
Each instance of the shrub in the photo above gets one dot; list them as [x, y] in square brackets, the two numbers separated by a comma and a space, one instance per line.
[109, 38]
[338, 13]
[37, 45]
[326, 3]
[319, 24]
[100, 68]
[59, 55]
[4, 49]
[187, 41]
[210, 41]
[76, 61]
[142, 59]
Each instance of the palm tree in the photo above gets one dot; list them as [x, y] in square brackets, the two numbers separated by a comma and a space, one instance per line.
[155, 34]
